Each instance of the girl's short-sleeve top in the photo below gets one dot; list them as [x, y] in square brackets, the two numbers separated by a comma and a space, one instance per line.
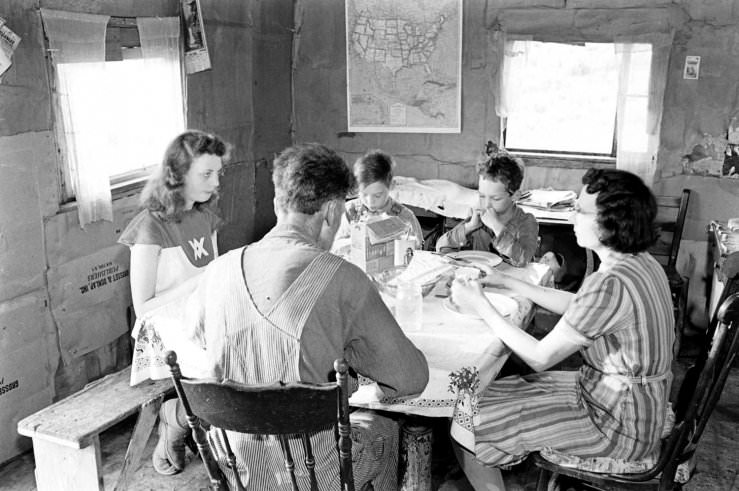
[187, 245]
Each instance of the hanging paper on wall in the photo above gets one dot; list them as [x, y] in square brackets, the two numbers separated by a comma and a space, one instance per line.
[8, 42]
[692, 67]
[197, 58]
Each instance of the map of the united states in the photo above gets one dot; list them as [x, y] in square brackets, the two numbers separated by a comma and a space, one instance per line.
[404, 65]
[395, 42]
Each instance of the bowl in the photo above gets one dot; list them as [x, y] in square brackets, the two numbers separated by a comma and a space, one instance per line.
[384, 281]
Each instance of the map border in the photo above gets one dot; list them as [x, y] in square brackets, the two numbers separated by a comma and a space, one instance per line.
[388, 128]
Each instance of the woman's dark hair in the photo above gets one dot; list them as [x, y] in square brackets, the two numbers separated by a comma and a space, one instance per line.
[504, 169]
[308, 175]
[374, 166]
[163, 193]
[626, 209]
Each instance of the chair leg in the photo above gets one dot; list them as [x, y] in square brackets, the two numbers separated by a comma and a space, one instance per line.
[542, 482]
[680, 316]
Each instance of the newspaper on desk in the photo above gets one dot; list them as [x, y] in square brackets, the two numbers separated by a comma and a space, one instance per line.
[728, 235]
[548, 199]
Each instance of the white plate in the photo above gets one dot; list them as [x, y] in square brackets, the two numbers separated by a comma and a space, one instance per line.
[502, 303]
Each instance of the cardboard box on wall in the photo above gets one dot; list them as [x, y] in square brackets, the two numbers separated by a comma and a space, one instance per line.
[27, 366]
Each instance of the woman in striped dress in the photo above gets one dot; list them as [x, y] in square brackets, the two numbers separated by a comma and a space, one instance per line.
[613, 411]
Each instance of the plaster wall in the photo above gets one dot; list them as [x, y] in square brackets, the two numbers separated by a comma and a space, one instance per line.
[53, 338]
[693, 109]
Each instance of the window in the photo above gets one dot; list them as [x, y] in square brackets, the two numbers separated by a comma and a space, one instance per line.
[564, 98]
[118, 100]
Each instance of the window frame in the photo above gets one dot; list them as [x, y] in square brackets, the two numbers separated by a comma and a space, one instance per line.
[120, 184]
[558, 158]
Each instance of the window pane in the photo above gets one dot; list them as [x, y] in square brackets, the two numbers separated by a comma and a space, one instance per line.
[122, 114]
[565, 98]
[147, 116]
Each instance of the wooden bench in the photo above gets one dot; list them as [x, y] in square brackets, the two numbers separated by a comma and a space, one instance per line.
[66, 435]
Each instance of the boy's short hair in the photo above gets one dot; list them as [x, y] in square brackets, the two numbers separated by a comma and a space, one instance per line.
[374, 166]
[504, 169]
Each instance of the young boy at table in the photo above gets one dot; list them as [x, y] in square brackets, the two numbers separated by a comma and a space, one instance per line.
[497, 225]
[374, 174]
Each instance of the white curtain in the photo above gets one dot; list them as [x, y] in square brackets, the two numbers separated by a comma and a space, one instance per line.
[642, 78]
[77, 44]
[513, 50]
[161, 49]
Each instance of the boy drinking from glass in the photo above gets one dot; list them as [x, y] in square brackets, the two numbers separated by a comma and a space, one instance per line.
[497, 225]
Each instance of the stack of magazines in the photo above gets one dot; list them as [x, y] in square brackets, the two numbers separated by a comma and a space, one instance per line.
[548, 199]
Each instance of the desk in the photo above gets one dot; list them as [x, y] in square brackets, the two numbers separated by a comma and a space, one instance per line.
[563, 220]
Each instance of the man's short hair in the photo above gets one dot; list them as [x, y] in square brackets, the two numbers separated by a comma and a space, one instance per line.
[626, 209]
[504, 169]
[308, 175]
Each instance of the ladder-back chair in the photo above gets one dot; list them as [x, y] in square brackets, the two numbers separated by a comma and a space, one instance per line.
[287, 410]
[671, 213]
[699, 392]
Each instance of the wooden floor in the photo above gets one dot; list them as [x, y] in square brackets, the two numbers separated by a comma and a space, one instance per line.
[718, 457]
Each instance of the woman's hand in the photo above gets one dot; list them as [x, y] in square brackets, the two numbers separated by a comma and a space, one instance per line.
[467, 294]
[497, 279]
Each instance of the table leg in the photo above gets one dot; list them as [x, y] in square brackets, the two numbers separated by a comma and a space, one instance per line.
[416, 441]
[63, 468]
[140, 436]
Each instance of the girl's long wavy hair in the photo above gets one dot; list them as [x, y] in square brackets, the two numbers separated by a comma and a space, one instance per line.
[163, 193]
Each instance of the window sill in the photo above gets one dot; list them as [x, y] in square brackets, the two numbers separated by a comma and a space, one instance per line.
[565, 161]
[118, 191]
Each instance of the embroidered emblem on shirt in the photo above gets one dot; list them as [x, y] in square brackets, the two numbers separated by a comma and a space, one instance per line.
[197, 247]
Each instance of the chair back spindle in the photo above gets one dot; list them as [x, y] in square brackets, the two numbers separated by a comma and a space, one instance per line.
[345, 441]
[217, 479]
[671, 214]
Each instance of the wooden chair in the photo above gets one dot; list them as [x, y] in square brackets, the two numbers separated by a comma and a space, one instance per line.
[283, 409]
[672, 211]
[699, 392]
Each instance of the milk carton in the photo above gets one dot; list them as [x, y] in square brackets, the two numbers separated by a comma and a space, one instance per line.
[379, 244]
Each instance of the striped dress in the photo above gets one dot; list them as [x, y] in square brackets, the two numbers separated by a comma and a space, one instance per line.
[615, 408]
[251, 346]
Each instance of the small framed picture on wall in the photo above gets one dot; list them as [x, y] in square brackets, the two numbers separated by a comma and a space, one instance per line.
[692, 67]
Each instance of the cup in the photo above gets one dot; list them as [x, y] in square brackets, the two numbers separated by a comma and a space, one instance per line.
[409, 306]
